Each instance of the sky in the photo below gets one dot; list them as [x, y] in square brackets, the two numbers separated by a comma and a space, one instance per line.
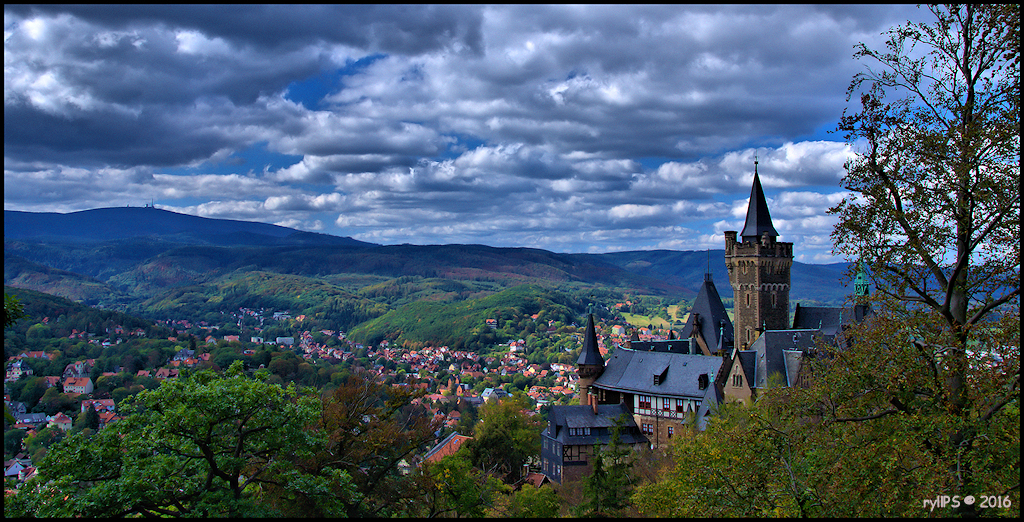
[575, 129]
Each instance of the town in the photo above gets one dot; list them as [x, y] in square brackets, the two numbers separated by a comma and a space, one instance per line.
[448, 377]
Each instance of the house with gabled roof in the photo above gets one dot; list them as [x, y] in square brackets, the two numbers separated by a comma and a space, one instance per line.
[574, 431]
[61, 421]
[78, 385]
[99, 404]
[448, 446]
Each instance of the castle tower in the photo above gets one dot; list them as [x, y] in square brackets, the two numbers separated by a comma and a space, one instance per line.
[759, 267]
[590, 364]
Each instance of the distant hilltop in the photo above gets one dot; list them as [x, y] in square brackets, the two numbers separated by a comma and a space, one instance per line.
[116, 223]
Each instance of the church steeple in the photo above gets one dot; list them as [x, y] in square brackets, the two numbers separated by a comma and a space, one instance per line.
[759, 220]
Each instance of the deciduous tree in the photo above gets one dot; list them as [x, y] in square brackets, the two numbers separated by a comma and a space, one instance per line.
[505, 438]
[204, 445]
[370, 428]
[935, 213]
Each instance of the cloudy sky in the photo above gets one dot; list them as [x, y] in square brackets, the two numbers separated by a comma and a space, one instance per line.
[568, 128]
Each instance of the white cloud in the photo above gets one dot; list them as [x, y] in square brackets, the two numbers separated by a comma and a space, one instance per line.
[579, 128]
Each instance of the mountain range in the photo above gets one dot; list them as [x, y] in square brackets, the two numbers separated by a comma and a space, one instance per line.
[133, 258]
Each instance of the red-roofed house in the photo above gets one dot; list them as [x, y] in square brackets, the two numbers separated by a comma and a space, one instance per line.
[166, 373]
[106, 417]
[61, 421]
[78, 385]
[446, 447]
[99, 404]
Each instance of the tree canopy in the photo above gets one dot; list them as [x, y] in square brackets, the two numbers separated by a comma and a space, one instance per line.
[204, 446]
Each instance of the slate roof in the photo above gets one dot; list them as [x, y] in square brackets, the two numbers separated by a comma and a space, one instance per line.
[759, 220]
[828, 319]
[748, 361]
[709, 404]
[590, 354]
[633, 371]
[670, 346]
[771, 357]
[709, 317]
[562, 417]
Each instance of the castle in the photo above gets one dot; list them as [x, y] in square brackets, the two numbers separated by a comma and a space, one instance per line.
[652, 389]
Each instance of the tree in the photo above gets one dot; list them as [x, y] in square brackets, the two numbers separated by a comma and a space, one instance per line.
[454, 487]
[13, 310]
[88, 419]
[931, 218]
[505, 438]
[608, 487]
[12, 442]
[369, 428]
[203, 445]
[533, 502]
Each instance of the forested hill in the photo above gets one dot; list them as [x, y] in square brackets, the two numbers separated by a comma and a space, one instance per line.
[167, 261]
[107, 224]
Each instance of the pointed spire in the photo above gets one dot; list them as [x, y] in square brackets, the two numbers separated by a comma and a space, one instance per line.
[759, 220]
[590, 354]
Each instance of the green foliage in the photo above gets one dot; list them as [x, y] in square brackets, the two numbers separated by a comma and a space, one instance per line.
[459, 489]
[197, 446]
[12, 442]
[88, 419]
[13, 310]
[940, 123]
[461, 325]
[533, 502]
[608, 488]
[505, 437]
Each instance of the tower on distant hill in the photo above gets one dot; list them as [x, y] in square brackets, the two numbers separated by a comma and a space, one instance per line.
[759, 271]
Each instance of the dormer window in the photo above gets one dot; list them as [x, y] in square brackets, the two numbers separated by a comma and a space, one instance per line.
[702, 381]
[660, 376]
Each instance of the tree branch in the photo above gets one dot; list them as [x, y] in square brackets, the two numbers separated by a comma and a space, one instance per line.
[869, 417]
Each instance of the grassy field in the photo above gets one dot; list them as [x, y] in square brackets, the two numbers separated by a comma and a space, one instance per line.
[643, 320]
[658, 322]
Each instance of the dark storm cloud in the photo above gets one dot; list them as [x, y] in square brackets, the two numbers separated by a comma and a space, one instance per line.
[406, 29]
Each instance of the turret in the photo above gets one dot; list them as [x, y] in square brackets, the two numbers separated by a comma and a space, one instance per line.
[590, 364]
[759, 272]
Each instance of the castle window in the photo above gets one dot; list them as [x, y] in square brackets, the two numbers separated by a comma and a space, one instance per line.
[702, 381]
[775, 299]
[644, 401]
[748, 298]
[670, 431]
[737, 381]
[679, 405]
[665, 404]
